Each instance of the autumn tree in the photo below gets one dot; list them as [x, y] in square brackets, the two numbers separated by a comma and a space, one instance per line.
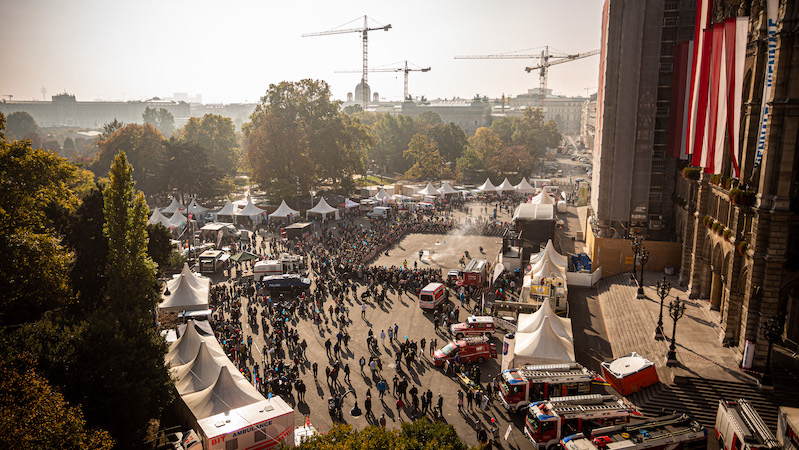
[161, 119]
[144, 147]
[392, 134]
[217, 135]
[21, 125]
[451, 140]
[427, 161]
[419, 434]
[111, 128]
[188, 170]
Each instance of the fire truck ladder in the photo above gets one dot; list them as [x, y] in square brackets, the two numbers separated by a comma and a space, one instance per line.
[586, 404]
[475, 340]
[553, 371]
[755, 423]
[659, 429]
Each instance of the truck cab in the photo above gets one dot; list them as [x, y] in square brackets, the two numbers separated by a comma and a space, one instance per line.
[469, 350]
[521, 386]
[739, 427]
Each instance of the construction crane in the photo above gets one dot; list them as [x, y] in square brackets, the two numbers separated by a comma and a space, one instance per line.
[365, 33]
[546, 59]
[406, 69]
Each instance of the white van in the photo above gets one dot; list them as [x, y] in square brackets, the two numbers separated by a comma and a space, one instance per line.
[379, 212]
[433, 296]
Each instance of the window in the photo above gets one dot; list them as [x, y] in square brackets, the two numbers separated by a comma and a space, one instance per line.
[259, 435]
[232, 444]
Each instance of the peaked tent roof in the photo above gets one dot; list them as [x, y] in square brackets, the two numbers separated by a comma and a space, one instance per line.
[177, 219]
[487, 186]
[529, 323]
[195, 208]
[429, 190]
[550, 253]
[544, 345]
[505, 186]
[203, 327]
[157, 218]
[347, 204]
[185, 348]
[200, 372]
[174, 206]
[284, 211]
[197, 282]
[543, 198]
[250, 209]
[183, 296]
[229, 209]
[524, 186]
[322, 207]
[226, 394]
[546, 268]
[382, 195]
[531, 211]
[447, 189]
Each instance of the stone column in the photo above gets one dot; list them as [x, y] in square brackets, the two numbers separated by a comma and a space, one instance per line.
[702, 195]
[686, 267]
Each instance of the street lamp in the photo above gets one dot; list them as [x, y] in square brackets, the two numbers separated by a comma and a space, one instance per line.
[772, 331]
[636, 245]
[663, 288]
[676, 311]
[355, 411]
[643, 257]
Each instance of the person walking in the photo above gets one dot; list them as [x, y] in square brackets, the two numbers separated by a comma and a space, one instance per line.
[469, 399]
[440, 405]
[362, 362]
[347, 373]
[396, 332]
[363, 310]
[373, 367]
[383, 420]
[400, 404]
[390, 335]
[315, 367]
[301, 390]
[367, 405]
[460, 400]
[383, 337]
[382, 386]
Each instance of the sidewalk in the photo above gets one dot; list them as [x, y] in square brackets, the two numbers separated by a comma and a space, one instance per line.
[631, 324]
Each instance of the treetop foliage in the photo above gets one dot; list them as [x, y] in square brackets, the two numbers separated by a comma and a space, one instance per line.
[416, 435]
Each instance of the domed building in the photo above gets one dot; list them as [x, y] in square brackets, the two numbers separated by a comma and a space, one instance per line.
[359, 92]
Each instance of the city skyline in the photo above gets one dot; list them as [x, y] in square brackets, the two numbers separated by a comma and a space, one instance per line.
[231, 54]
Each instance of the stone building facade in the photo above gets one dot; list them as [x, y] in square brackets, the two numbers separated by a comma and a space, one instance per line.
[565, 111]
[750, 273]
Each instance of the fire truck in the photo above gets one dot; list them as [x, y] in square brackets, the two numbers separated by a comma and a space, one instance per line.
[739, 427]
[519, 387]
[550, 420]
[674, 432]
[475, 274]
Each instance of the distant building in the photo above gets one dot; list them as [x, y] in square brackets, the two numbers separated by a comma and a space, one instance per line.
[565, 111]
[588, 123]
[65, 111]
[467, 114]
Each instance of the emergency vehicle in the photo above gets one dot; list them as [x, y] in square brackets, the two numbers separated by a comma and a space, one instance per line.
[548, 421]
[474, 326]
[433, 296]
[739, 427]
[475, 273]
[519, 387]
[469, 349]
[674, 432]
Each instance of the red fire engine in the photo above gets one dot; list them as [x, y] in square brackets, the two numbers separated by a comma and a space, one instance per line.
[519, 387]
[674, 432]
[739, 427]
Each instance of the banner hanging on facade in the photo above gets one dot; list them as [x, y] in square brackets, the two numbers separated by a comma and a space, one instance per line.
[768, 80]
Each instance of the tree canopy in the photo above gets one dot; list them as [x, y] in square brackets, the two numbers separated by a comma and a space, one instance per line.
[428, 163]
[419, 434]
[144, 147]
[161, 119]
[21, 125]
[217, 135]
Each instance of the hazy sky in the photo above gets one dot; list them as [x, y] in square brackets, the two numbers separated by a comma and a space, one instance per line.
[230, 51]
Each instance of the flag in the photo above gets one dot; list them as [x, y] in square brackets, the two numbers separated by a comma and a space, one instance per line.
[699, 118]
[712, 150]
[736, 32]
[696, 86]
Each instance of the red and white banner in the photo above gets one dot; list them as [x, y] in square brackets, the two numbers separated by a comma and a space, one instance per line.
[681, 72]
[736, 30]
[697, 69]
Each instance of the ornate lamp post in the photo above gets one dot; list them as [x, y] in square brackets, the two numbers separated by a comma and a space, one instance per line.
[676, 311]
[772, 331]
[636, 245]
[663, 288]
[643, 257]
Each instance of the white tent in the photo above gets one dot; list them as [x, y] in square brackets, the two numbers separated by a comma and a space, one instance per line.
[446, 189]
[543, 346]
[283, 212]
[533, 212]
[348, 204]
[250, 210]
[550, 253]
[203, 327]
[225, 394]
[201, 372]
[177, 220]
[183, 295]
[382, 196]
[322, 208]
[186, 347]
[196, 281]
[173, 207]
[157, 218]
[487, 186]
[529, 323]
[524, 186]
[543, 198]
[400, 198]
[506, 186]
[195, 208]
[228, 210]
[429, 190]
[546, 268]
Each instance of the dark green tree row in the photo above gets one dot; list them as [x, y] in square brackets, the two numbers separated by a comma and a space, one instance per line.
[81, 364]
[200, 160]
[417, 435]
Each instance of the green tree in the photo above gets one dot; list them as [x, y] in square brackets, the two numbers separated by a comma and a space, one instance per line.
[427, 162]
[144, 147]
[84, 234]
[159, 245]
[485, 144]
[217, 135]
[161, 119]
[470, 166]
[21, 125]
[419, 434]
[35, 415]
[428, 119]
[188, 171]
[392, 134]
[351, 110]
[111, 128]
[450, 138]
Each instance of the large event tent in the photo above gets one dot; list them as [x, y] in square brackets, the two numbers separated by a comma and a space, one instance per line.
[506, 186]
[201, 372]
[173, 207]
[546, 268]
[543, 198]
[348, 204]
[157, 218]
[550, 252]
[529, 323]
[323, 209]
[225, 394]
[177, 220]
[446, 189]
[284, 212]
[429, 190]
[382, 196]
[196, 209]
[228, 210]
[524, 186]
[542, 346]
[250, 210]
[185, 349]
[488, 186]
[183, 294]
